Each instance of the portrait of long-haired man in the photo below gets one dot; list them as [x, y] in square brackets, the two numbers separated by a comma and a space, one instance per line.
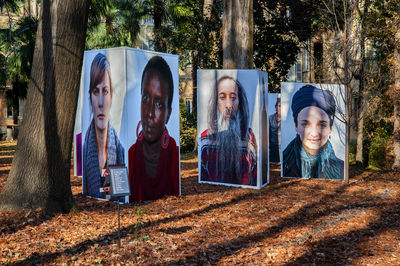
[228, 145]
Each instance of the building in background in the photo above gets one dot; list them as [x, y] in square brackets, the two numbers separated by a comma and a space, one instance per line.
[318, 63]
[8, 20]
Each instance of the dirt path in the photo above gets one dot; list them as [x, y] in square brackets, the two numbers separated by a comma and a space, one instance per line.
[289, 222]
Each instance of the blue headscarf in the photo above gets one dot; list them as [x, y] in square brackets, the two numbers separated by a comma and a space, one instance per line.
[309, 95]
[297, 162]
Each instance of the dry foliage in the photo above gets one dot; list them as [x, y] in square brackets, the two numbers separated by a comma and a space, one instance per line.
[288, 222]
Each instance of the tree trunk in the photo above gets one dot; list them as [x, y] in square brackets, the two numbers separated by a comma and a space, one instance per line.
[29, 8]
[198, 56]
[15, 116]
[40, 172]
[396, 134]
[237, 40]
[195, 67]
[36, 9]
[396, 109]
[347, 81]
[361, 88]
[207, 6]
[360, 139]
[347, 122]
[158, 15]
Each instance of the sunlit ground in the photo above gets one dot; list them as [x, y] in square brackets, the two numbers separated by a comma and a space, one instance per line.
[289, 222]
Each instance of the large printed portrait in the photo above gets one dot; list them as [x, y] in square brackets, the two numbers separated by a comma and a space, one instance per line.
[229, 126]
[274, 123]
[153, 125]
[101, 122]
[264, 129]
[130, 116]
[313, 131]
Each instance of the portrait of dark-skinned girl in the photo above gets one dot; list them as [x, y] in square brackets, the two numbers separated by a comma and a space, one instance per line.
[154, 158]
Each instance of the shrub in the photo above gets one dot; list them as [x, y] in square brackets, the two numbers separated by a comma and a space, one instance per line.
[352, 152]
[377, 133]
[377, 153]
[188, 140]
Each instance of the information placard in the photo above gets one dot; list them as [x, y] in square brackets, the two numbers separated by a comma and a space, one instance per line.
[119, 181]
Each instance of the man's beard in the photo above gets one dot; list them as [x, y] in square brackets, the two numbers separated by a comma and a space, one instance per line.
[228, 141]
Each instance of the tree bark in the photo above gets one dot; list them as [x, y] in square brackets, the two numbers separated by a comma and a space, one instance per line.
[361, 87]
[40, 172]
[29, 8]
[197, 55]
[237, 40]
[207, 6]
[346, 60]
[15, 116]
[195, 67]
[158, 15]
[360, 140]
[396, 96]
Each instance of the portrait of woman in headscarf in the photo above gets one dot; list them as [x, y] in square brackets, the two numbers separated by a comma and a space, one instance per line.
[310, 154]
[154, 158]
[101, 147]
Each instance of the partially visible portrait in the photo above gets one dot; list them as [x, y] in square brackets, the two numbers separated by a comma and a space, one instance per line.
[102, 146]
[264, 132]
[154, 157]
[310, 153]
[228, 146]
[274, 121]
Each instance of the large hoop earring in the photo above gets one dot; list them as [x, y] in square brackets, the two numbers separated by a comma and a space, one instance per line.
[165, 139]
[139, 135]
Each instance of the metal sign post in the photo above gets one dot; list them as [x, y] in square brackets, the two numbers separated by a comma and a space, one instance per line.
[119, 188]
[119, 227]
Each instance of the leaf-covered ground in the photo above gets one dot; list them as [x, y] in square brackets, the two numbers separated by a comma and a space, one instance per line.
[289, 222]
